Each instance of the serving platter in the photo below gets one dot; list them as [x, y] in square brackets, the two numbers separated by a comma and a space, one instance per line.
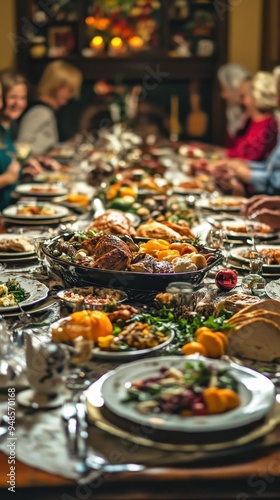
[222, 204]
[11, 212]
[73, 274]
[37, 290]
[257, 395]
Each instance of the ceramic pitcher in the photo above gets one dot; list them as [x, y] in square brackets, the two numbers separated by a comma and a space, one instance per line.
[45, 363]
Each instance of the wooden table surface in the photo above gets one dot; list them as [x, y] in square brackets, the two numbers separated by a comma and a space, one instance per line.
[254, 475]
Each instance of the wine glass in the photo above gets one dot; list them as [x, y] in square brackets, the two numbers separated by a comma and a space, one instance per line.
[215, 239]
[251, 231]
[38, 247]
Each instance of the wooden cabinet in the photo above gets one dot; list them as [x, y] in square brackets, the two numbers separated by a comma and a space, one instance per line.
[177, 33]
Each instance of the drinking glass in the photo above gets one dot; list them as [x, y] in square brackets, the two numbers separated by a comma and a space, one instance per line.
[251, 231]
[215, 238]
[38, 247]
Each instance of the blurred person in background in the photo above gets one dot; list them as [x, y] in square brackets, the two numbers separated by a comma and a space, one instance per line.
[258, 99]
[59, 83]
[13, 101]
[249, 178]
[231, 76]
[264, 209]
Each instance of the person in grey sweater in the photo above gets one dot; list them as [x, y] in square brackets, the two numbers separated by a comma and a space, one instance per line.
[59, 83]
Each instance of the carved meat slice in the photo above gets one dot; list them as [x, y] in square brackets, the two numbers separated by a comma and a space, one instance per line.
[116, 260]
[142, 264]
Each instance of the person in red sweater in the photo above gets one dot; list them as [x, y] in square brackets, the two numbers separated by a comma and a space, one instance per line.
[258, 97]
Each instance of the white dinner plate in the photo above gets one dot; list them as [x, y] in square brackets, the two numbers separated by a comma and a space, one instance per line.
[236, 253]
[231, 229]
[256, 391]
[222, 204]
[129, 355]
[272, 289]
[122, 355]
[12, 212]
[38, 291]
[41, 190]
[14, 255]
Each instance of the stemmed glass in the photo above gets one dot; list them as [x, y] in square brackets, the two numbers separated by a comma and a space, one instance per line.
[38, 247]
[251, 231]
[215, 239]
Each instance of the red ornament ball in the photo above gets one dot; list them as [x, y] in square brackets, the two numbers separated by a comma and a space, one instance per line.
[226, 279]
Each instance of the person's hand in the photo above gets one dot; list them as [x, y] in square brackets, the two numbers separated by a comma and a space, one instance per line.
[12, 173]
[50, 163]
[33, 167]
[261, 202]
[269, 217]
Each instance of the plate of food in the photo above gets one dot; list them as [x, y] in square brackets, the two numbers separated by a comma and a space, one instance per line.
[272, 289]
[37, 211]
[190, 185]
[188, 395]
[222, 203]
[118, 335]
[239, 229]
[41, 190]
[16, 290]
[269, 253]
[15, 246]
[91, 296]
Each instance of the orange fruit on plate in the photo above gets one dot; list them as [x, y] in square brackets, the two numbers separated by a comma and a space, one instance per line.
[215, 401]
[193, 348]
[232, 398]
[223, 338]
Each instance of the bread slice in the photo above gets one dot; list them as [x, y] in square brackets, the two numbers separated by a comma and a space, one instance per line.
[267, 304]
[241, 317]
[257, 339]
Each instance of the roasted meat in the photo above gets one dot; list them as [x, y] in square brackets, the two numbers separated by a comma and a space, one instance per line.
[113, 222]
[163, 267]
[109, 242]
[115, 260]
[143, 263]
[110, 252]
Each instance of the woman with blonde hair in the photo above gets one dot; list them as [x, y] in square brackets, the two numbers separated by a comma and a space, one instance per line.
[258, 98]
[59, 83]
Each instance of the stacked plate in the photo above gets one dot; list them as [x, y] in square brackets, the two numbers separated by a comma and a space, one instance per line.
[36, 290]
[13, 257]
[241, 260]
[41, 190]
[34, 214]
[110, 410]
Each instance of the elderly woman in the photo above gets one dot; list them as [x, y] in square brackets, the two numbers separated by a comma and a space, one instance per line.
[231, 76]
[239, 177]
[258, 97]
[59, 83]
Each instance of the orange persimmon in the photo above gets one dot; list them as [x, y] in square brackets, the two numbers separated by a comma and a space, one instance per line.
[212, 343]
[194, 347]
[215, 401]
